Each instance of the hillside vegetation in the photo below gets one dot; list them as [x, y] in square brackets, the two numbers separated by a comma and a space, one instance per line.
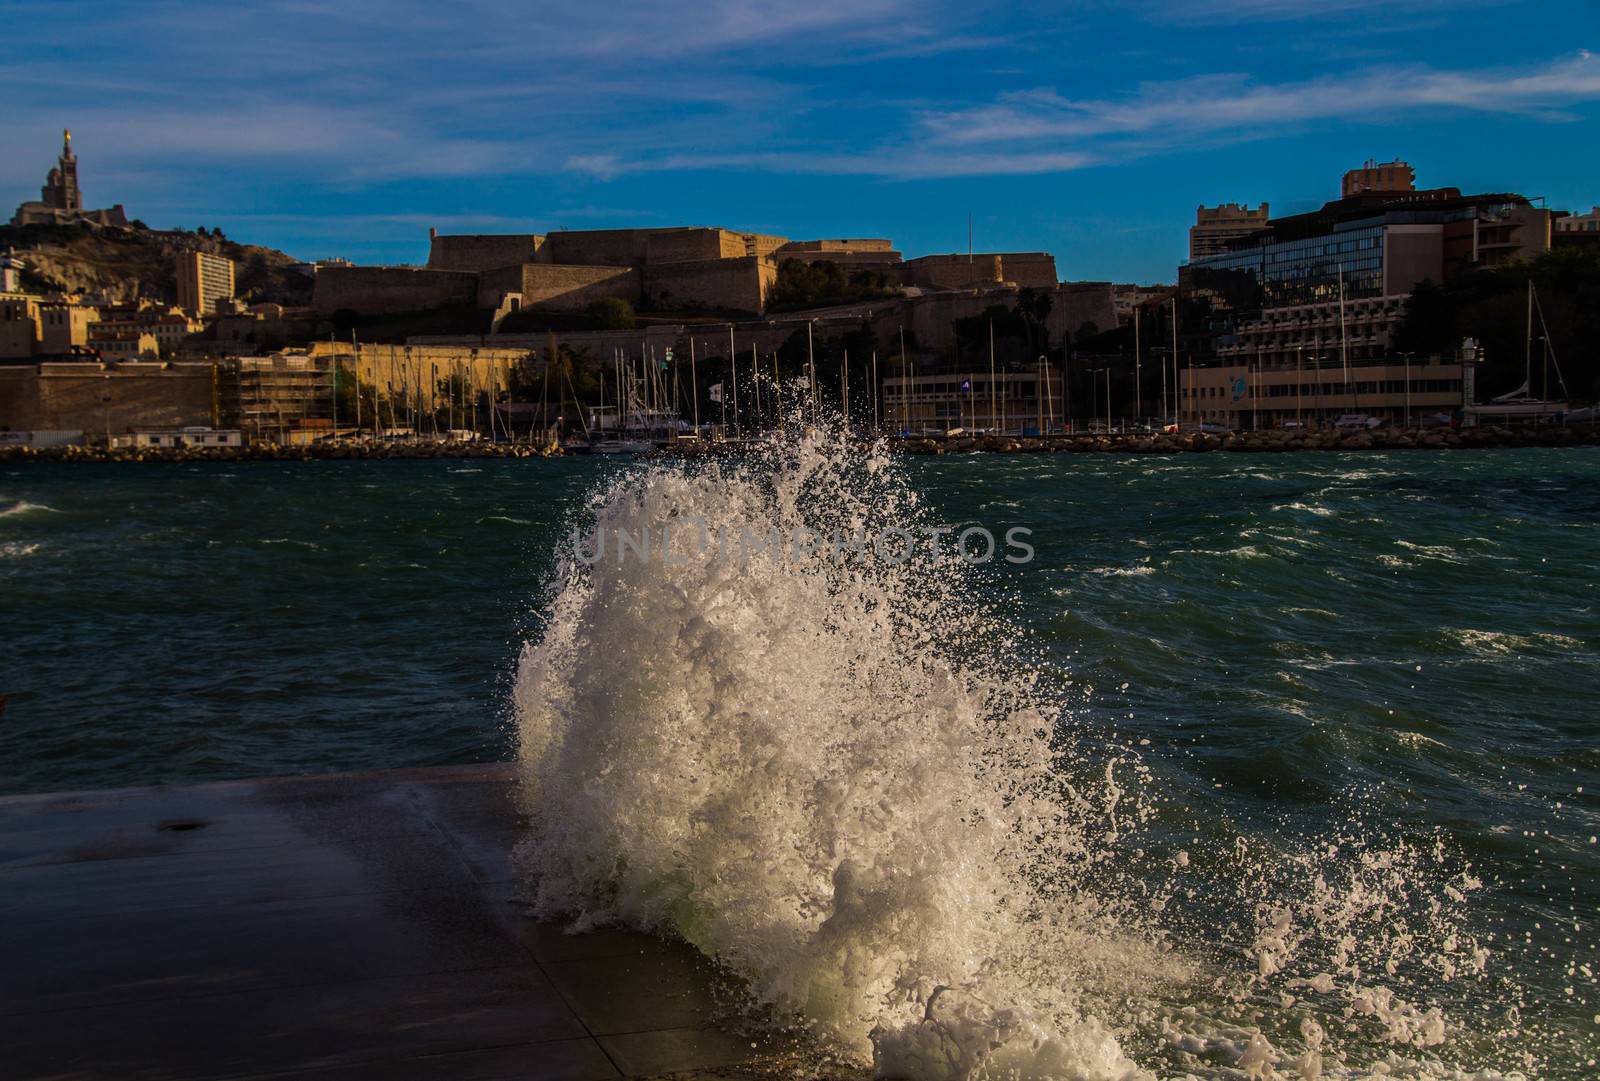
[137, 263]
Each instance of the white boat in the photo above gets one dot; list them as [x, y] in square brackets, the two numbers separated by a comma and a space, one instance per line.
[621, 446]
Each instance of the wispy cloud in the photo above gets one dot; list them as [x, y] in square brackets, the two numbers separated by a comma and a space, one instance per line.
[1040, 131]
[1237, 104]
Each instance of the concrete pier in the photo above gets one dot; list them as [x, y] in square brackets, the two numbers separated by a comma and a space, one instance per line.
[337, 928]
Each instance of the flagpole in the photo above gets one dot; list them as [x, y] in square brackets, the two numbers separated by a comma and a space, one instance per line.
[733, 373]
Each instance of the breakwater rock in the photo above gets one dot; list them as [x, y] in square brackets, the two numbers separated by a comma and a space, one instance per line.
[266, 452]
[1258, 442]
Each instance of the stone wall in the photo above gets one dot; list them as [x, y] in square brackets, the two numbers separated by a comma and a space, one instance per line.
[685, 246]
[73, 396]
[1033, 269]
[377, 290]
[599, 247]
[645, 247]
[866, 252]
[482, 252]
[1029, 269]
[723, 284]
[573, 288]
[952, 271]
[839, 244]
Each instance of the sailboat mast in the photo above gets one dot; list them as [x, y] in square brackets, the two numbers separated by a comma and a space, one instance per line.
[1344, 340]
[844, 387]
[694, 388]
[1177, 406]
[1138, 386]
[811, 370]
[733, 374]
[1527, 348]
[872, 391]
[994, 411]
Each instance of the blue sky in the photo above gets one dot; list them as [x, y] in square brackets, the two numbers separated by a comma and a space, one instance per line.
[1091, 130]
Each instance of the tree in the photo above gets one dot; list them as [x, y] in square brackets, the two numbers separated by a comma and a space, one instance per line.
[802, 285]
[1490, 306]
[612, 313]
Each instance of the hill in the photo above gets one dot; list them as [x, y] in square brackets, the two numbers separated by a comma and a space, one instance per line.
[138, 263]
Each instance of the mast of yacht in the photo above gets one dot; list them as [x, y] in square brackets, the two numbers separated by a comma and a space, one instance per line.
[733, 376]
[1177, 407]
[1138, 387]
[811, 370]
[994, 408]
[872, 392]
[1344, 346]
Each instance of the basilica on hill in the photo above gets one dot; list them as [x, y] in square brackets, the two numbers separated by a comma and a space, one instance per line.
[61, 201]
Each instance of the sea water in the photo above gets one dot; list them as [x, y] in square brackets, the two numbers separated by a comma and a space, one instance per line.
[1262, 765]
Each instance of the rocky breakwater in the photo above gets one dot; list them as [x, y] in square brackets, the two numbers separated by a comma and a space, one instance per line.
[268, 452]
[1258, 442]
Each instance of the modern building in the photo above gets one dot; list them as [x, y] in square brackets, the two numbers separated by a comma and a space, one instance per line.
[1014, 402]
[1216, 226]
[203, 280]
[1339, 277]
[61, 200]
[1315, 393]
[1389, 176]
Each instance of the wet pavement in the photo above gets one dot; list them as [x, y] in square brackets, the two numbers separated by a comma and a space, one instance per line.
[337, 927]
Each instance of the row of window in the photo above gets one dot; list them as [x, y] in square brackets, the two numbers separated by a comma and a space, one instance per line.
[1241, 390]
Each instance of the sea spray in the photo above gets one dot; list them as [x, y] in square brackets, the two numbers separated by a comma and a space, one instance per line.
[823, 773]
[841, 779]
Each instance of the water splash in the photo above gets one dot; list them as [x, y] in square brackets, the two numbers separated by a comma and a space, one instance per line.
[841, 778]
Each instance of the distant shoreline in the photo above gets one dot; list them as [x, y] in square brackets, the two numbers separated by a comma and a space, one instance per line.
[1160, 443]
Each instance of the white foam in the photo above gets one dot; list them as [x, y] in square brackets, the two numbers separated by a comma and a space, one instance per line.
[835, 778]
[24, 507]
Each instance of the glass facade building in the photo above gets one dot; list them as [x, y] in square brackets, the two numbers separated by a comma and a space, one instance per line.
[1300, 271]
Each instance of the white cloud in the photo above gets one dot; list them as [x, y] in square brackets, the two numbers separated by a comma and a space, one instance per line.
[1177, 112]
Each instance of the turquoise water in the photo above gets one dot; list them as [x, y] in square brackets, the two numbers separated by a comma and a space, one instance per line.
[1407, 640]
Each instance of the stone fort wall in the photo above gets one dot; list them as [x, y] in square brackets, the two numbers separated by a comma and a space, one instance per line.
[481, 252]
[572, 288]
[379, 290]
[727, 284]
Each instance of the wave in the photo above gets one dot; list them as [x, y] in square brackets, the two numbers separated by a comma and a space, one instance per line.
[24, 507]
[1306, 508]
[1139, 570]
[841, 779]
[17, 550]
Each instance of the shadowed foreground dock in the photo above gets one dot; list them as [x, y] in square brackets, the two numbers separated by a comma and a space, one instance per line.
[340, 927]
